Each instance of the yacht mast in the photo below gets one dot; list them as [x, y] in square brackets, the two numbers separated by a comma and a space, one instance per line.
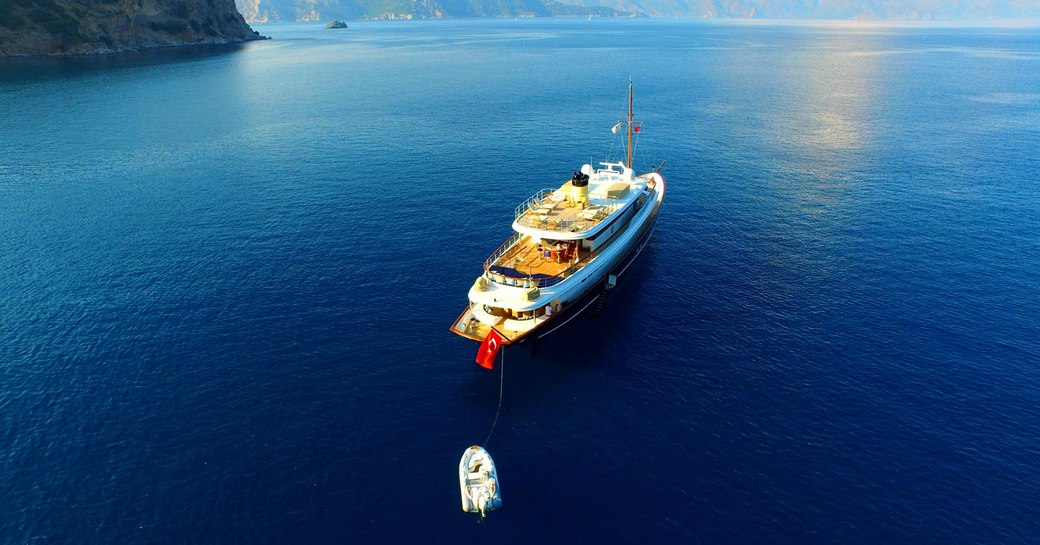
[629, 162]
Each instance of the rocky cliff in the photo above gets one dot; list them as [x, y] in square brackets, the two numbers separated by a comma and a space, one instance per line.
[76, 27]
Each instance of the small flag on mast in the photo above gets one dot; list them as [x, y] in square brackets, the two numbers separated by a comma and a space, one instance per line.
[616, 128]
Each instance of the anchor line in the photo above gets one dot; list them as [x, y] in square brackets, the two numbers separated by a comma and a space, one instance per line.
[501, 384]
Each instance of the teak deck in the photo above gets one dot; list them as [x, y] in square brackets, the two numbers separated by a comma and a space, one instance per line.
[525, 258]
[563, 217]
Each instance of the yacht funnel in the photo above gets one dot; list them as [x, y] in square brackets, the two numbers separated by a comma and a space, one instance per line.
[580, 189]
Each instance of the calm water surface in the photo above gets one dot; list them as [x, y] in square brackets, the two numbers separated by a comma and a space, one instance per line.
[226, 278]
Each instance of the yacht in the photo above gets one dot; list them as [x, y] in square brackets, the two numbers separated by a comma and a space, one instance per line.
[570, 246]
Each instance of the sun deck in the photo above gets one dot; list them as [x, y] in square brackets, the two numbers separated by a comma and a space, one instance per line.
[575, 209]
[549, 214]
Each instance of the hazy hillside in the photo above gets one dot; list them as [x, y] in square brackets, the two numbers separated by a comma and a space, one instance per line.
[831, 9]
[49, 27]
[320, 10]
[312, 10]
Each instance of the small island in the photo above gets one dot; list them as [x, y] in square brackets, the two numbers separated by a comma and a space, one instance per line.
[336, 24]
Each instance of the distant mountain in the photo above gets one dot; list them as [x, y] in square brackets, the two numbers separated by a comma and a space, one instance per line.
[322, 10]
[70, 27]
[915, 10]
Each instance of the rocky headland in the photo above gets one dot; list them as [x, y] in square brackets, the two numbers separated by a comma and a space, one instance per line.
[90, 27]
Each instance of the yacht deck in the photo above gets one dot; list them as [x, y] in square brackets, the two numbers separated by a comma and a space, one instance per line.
[560, 216]
[477, 330]
[524, 260]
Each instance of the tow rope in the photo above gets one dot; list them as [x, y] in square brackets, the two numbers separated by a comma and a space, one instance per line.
[501, 384]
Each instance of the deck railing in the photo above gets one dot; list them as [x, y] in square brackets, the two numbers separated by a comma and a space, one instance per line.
[535, 200]
[501, 250]
[525, 281]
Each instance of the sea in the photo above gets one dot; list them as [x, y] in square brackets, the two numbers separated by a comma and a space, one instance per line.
[227, 277]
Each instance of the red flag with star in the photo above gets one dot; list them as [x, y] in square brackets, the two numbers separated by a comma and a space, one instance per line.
[489, 349]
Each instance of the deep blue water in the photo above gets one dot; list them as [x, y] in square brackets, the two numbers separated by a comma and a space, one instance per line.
[227, 277]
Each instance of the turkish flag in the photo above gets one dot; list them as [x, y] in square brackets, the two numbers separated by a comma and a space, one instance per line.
[489, 349]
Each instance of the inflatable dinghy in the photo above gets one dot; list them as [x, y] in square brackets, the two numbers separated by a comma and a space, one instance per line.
[478, 482]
